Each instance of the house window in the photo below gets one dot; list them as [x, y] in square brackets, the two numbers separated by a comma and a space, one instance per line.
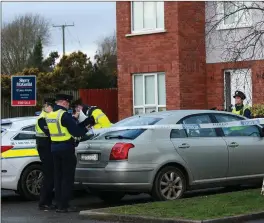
[147, 16]
[234, 15]
[149, 93]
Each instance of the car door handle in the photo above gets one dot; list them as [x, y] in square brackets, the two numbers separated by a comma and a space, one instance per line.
[233, 145]
[184, 146]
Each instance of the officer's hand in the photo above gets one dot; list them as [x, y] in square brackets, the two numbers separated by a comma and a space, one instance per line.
[89, 121]
[76, 115]
[88, 126]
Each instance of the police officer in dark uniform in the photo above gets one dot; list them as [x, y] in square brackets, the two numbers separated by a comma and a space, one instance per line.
[240, 108]
[63, 128]
[44, 150]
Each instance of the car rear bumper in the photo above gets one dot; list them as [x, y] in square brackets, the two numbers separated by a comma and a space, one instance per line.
[109, 178]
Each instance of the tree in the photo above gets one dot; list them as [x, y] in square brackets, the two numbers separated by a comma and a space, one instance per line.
[106, 62]
[36, 57]
[244, 39]
[49, 63]
[19, 38]
[72, 71]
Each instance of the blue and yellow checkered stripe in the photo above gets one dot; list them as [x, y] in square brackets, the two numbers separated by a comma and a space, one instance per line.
[20, 153]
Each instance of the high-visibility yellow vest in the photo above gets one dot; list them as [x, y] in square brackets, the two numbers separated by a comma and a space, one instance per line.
[58, 133]
[241, 112]
[101, 120]
[39, 132]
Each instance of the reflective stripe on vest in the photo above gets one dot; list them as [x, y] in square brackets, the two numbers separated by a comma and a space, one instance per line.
[101, 120]
[58, 133]
[39, 132]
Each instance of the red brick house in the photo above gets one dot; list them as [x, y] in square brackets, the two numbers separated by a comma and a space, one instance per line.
[164, 62]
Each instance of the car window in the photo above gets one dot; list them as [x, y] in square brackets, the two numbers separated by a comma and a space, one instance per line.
[136, 121]
[238, 130]
[24, 136]
[6, 123]
[29, 128]
[195, 119]
[129, 133]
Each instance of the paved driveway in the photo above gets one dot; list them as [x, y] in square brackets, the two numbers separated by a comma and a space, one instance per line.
[15, 210]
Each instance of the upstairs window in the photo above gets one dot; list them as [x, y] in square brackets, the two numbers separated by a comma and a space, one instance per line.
[147, 16]
[234, 15]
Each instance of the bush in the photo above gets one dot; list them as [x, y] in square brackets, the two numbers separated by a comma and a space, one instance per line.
[258, 111]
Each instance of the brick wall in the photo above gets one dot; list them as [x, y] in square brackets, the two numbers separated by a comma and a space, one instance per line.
[215, 81]
[179, 52]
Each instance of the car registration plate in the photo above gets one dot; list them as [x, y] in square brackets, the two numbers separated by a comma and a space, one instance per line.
[89, 157]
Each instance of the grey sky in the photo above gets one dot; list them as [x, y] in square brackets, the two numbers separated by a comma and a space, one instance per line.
[92, 21]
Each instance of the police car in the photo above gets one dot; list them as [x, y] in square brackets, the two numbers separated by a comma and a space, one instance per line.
[20, 161]
[21, 166]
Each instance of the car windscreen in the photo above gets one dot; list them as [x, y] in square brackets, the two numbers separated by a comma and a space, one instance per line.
[6, 123]
[129, 133]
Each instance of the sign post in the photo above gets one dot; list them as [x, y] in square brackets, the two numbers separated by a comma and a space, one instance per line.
[23, 91]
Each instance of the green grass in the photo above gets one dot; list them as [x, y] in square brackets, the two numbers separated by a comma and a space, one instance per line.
[199, 208]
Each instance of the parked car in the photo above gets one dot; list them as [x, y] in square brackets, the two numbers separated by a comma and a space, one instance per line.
[20, 161]
[167, 162]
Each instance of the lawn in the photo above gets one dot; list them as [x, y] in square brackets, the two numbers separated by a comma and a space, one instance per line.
[198, 208]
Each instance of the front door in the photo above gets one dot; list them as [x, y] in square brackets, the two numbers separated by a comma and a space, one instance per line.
[237, 80]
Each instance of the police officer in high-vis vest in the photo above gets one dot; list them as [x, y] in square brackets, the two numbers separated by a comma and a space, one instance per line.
[44, 150]
[63, 128]
[240, 108]
[97, 117]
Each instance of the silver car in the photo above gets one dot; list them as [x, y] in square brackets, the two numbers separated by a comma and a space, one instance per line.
[167, 162]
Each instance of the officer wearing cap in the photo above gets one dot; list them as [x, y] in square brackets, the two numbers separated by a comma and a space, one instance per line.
[44, 150]
[63, 128]
[240, 108]
[96, 116]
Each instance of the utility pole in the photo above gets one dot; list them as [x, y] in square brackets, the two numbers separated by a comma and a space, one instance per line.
[63, 35]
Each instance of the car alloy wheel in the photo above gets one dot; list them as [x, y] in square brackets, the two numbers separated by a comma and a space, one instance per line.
[171, 185]
[30, 182]
[33, 182]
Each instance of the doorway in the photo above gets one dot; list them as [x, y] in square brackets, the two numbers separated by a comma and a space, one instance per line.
[237, 80]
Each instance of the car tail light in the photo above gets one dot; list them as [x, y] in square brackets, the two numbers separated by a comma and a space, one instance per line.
[5, 148]
[120, 151]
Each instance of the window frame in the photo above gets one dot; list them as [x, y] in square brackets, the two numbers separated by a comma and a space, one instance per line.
[211, 117]
[221, 131]
[238, 24]
[144, 106]
[146, 30]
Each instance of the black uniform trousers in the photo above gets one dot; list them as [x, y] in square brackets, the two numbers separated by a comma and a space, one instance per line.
[44, 150]
[64, 170]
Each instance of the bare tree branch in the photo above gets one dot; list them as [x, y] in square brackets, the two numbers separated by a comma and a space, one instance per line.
[19, 38]
[240, 40]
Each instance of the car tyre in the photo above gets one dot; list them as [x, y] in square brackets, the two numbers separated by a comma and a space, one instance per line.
[30, 182]
[169, 184]
[110, 197]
